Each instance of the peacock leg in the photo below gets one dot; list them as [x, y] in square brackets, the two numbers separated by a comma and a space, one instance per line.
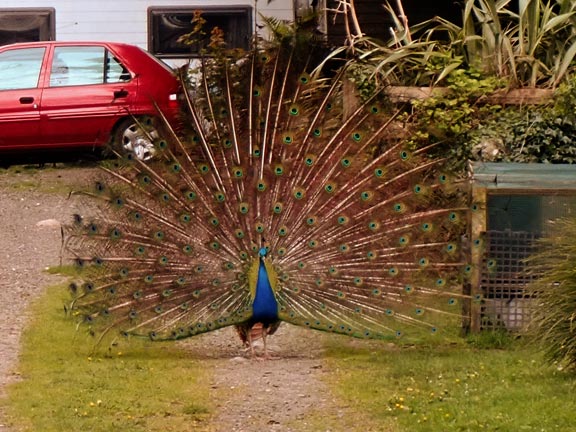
[250, 344]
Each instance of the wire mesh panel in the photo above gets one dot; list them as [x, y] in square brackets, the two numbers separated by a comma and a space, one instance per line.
[504, 278]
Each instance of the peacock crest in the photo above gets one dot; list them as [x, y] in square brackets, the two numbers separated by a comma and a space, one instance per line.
[281, 201]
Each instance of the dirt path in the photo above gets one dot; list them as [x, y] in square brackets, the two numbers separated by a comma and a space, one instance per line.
[282, 394]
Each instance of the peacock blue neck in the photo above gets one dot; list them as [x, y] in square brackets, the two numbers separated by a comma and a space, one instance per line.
[265, 307]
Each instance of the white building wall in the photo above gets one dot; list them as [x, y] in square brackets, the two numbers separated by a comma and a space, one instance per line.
[127, 20]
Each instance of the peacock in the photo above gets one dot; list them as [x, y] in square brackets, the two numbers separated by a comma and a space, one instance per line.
[280, 199]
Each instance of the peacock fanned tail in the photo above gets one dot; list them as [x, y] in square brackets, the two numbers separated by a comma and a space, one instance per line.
[353, 226]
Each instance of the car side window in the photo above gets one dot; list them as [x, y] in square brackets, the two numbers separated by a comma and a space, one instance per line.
[85, 65]
[20, 68]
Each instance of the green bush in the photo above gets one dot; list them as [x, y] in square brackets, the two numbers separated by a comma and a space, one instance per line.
[554, 314]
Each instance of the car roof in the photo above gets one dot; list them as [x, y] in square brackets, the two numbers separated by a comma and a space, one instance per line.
[64, 43]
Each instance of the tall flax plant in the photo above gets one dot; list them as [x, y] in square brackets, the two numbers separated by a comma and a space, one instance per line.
[534, 45]
[553, 323]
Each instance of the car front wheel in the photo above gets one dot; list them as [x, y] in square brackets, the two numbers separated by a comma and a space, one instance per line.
[136, 137]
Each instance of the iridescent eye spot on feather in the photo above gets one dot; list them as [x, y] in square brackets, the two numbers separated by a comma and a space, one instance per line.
[379, 172]
[403, 241]
[161, 145]
[239, 233]
[294, 110]
[299, 193]
[259, 227]
[312, 244]
[283, 231]
[440, 282]
[423, 262]
[356, 137]
[373, 225]
[346, 162]
[419, 311]
[227, 143]
[311, 220]
[214, 245]
[418, 189]
[358, 281]
[332, 270]
[281, 252]
[317, 132]
[475, 207]
[219, 197]
[399, 207]
[371, 255]
[304, 78]
[213, 220]
[309, 160]
[190, 195]
[187, 249]
[123, 273]
[301, 265]
[343, 220]
[176, 168]
[453, 217]
[92, 228]
[330, 187]
[88, 287]
[237, 173]
[261, 186]
[442, 179]
[319, 282]
[203, 168]
[408, 289]
[451, 248]
[243, 208]
[376, 292]
[278, 207]
[139, 250]
[118, 202]
[278, 169]
[340, 294]
[344, 248]
[185, 218]
[366, 196]
[393, 271]
[404, 155]
[99, 187]
[148, 279]
[180, 281]
[288, 139]
[451, 301]
[256, 152]
[137, 294]
[158, 235]
[115, 234]
[426, 227]
[257, 91]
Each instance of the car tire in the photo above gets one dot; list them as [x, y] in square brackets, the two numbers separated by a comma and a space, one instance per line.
[136, 136]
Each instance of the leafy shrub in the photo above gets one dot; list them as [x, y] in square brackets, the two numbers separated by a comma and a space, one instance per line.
[553, 323]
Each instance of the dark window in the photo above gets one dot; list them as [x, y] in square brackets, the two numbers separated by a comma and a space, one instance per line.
[26, 25]
[167, 25]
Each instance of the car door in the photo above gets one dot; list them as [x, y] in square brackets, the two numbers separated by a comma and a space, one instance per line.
[88, 90]
[20, 97]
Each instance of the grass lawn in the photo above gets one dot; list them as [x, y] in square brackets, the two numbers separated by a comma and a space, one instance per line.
[453, 388]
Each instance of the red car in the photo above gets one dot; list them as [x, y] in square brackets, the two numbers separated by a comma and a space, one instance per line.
[83, 94]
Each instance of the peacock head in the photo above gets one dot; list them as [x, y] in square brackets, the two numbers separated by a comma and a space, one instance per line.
[263, 252]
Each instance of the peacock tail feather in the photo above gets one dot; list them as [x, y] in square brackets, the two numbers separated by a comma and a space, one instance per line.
[281, 192]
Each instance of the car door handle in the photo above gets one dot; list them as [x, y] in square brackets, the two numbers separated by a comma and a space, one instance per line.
[26, 100]
[120, 94]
